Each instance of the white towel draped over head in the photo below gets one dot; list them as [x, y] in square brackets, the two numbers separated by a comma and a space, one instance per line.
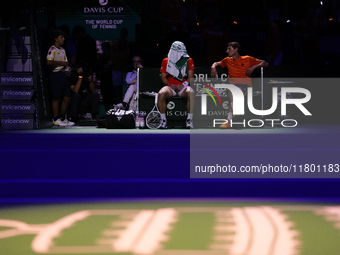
[178, 61]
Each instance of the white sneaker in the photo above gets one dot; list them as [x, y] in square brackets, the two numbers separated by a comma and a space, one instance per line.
[189, 124]
[59, 123]
[164, 125]
[69, 123]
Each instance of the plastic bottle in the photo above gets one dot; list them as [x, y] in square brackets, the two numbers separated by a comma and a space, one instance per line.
[137, 120]
[142, 120]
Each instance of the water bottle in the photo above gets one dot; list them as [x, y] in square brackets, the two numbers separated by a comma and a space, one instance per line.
[142, 120]
[137, 120]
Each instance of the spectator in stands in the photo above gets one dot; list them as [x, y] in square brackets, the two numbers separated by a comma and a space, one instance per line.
[176, 71]
[57, 59]
[120, 51]
[84, 97]
[86, 48]
[69, 44]
[131, 80]
[307, 31]
[215, 38]
[273, 43]
[105, 76]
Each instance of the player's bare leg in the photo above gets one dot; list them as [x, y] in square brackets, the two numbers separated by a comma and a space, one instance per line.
[163, 95]
[188, 93]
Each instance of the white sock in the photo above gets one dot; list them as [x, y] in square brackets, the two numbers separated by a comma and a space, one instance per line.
[190, 115]
[230, 115]
[163, 116]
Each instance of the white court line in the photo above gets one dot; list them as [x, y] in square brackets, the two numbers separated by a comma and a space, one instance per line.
[44, 239]
[263, 231]
[258, 231]
[126, 240]
[332, 214]
[155, 233]
[335, 210]
[242, 237]
[19, 228]
[285, 243]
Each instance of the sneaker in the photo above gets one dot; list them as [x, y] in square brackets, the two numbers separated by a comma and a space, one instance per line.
[225, 125]
[69, 123]
[189, 124]
[59, 123]
[164, 125]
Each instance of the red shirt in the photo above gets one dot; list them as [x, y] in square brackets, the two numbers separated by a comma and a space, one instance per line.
[237, 68]
[171, 79]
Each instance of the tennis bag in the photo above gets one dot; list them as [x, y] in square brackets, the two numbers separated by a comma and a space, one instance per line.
[120, 119]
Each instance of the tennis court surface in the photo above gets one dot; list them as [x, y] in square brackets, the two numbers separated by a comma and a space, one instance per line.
[171, 227]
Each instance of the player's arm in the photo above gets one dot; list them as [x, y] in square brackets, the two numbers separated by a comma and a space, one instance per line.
[250, 70]
[164, 79]
[129, 79]
[213, 71]
[190, 75]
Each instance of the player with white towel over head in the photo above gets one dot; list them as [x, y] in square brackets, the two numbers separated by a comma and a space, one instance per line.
[176, 71]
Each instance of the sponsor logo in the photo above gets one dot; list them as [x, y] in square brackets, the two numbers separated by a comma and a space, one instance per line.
[214, 91]
[15, 121]
[103, 9]
[16, 79]
[16, 107]
[17, 93]
[176, 113]
[103, 2]
[171, 105]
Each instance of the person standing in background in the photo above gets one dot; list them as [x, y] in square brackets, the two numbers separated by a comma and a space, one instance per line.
[56, 58]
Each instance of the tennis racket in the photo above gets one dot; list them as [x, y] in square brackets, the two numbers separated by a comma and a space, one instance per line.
[154, 120]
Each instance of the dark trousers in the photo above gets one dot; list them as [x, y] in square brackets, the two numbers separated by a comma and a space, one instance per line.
[118, 94]
[82, 103]
[106, 88]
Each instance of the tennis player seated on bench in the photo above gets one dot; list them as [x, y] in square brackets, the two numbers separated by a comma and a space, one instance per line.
[176, 71]
[131, 79]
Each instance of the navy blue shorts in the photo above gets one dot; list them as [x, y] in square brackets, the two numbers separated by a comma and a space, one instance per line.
[243, 87]
[59, 85]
